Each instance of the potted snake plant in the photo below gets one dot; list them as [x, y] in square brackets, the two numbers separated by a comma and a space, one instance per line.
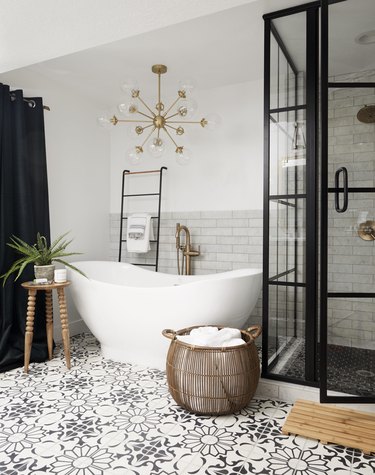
[41, 255]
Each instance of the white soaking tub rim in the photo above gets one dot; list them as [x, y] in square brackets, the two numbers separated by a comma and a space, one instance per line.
[161, 279]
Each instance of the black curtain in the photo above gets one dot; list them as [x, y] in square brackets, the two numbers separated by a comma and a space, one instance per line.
[24, 211]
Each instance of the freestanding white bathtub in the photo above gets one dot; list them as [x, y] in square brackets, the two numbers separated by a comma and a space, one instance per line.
[127, 307]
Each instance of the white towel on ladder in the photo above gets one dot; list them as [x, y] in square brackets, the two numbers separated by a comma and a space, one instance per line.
[139, 233]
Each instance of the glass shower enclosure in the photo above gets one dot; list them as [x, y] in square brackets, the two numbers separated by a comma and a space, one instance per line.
[290, 217]
[347, 313]
[319, 201]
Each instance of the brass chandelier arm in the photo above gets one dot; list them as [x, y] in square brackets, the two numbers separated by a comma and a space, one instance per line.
[148, 136]
[136, 120]
[148, 108]
[147, 126]
[173, 115]
[145, 115]
[169, 135]
[167, 125]
[173, 104]
[185, 122]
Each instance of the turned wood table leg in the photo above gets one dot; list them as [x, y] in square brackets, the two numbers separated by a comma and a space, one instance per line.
[64, 325]
[29, 327]
[49, 322]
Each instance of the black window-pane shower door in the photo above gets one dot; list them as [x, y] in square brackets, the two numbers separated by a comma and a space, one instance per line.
[348, 215]
[289, 290]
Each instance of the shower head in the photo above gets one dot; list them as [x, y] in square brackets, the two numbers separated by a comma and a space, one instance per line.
[367, 114]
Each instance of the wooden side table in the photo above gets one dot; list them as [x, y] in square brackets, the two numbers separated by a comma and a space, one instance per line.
[32, 291]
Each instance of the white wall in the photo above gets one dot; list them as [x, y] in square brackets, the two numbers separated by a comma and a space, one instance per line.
[226, 170]
[78, 172]
[78, 176]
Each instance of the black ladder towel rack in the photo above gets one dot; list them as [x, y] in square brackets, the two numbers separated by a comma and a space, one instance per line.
[123, 218]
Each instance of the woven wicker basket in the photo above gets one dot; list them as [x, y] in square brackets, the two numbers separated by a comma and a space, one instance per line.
[213, 381]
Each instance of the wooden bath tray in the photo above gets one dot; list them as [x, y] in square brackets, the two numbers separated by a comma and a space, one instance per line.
[329, 423]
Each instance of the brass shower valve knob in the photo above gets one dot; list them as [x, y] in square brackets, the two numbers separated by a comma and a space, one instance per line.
[366, 231]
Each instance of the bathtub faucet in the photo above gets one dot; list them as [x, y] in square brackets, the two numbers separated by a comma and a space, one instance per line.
[187, 251]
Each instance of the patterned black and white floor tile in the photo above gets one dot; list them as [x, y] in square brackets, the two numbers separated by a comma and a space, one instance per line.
[109, 418]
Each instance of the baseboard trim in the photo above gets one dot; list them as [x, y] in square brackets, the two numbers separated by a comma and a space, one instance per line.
[289, 392]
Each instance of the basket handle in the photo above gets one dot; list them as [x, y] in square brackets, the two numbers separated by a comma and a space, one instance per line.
[254, 331]
[168, 333]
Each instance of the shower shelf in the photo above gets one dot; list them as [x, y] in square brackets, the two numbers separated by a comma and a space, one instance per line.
[123, 218]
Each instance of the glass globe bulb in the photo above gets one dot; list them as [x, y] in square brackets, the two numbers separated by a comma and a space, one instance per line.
[156, 147]
[186, 85]
[211, 121]
[183, 156]
[129, 85]
[186, 108]
[104, 122]
[128, 108]
[134, 154]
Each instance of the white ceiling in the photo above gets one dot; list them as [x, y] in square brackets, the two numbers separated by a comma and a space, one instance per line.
[214, 49]
[207, 40]
[209, 49]
[38, 30]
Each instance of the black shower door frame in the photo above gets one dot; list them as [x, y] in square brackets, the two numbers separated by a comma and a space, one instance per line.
[326, 191]
[310, 196]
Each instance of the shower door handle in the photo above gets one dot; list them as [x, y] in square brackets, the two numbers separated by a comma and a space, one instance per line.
[344, 207]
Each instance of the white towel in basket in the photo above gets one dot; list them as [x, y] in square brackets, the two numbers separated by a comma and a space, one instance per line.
[213, 337]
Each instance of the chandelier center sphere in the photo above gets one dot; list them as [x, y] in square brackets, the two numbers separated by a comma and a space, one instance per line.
[159, 121]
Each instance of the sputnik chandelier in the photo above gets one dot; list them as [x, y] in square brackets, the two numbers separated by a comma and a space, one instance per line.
[153, 127]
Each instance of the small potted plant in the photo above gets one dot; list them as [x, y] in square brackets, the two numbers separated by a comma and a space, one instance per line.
[41, 255]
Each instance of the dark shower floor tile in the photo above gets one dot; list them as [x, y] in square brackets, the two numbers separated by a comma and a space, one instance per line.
[350, 370]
